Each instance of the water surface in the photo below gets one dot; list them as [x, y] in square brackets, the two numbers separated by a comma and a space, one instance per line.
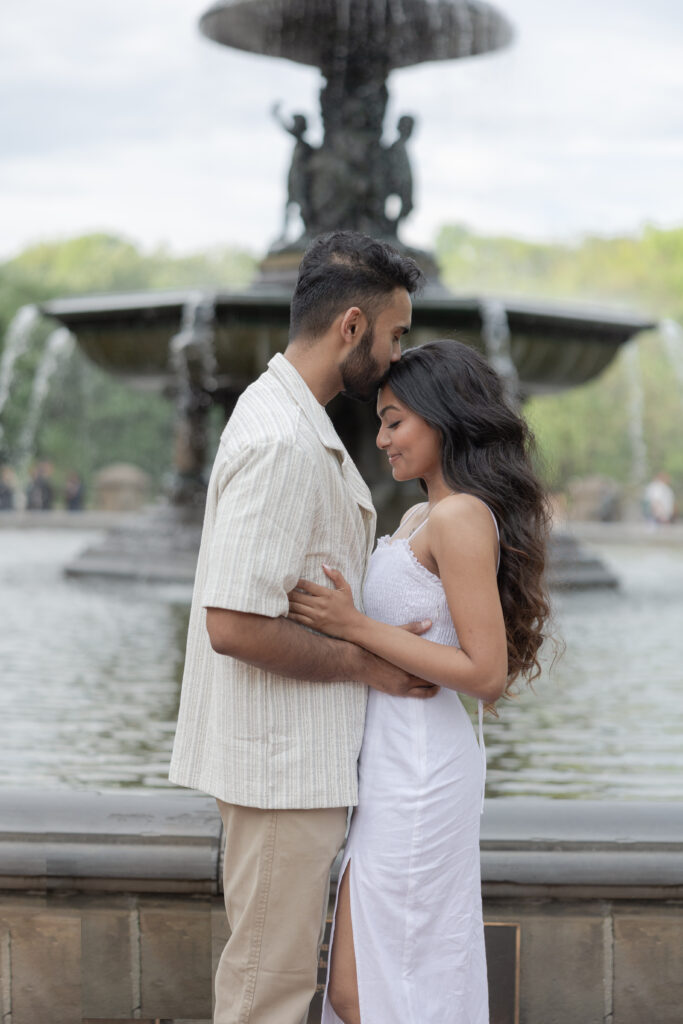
[90, 679]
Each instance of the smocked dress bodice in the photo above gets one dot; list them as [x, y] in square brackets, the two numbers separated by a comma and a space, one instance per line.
[399, 589]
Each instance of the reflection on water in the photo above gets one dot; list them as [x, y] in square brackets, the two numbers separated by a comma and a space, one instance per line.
[91, 678]
[90, 671]
[607, 720]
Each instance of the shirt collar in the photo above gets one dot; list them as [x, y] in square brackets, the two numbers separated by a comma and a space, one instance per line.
[297, 388]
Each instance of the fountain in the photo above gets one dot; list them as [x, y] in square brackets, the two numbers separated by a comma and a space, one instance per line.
[202, 349]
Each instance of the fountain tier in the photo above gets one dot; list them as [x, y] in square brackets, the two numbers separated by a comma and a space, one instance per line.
[553, 347]
[328, 35]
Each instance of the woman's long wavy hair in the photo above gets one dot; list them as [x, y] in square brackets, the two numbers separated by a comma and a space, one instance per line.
[487, 451]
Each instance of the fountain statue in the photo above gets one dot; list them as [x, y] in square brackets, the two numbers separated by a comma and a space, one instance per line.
[349, 179]
[205, 348]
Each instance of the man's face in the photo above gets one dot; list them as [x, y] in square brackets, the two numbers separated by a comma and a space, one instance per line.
[377, 348]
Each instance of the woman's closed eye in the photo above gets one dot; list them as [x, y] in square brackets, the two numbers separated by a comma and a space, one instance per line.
[396, 423]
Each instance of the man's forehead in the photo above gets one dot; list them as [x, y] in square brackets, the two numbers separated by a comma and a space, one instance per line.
[399, 306]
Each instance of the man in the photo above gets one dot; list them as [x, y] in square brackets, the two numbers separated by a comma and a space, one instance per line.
[271, 715]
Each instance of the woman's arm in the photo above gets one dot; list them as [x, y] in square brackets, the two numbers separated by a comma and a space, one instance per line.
[461, 538]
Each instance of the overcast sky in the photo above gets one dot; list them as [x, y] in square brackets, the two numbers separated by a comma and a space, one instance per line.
[120, 117]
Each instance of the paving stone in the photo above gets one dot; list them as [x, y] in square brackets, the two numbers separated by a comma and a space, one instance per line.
[176, 955]
[46, 970]
[110, 962]
[648, 965]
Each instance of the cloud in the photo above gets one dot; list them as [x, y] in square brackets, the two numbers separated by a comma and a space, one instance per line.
[122, 117]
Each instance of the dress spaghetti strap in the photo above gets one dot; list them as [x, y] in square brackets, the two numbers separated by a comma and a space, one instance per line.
[416, 509]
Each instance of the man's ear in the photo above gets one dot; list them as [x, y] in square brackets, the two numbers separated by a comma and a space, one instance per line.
[352, 326]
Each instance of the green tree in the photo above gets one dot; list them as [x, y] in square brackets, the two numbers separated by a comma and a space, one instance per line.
[586, 430]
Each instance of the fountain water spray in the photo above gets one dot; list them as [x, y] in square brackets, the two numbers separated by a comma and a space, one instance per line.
[671, 333]
[58, 346]
[17, 340]
[495, 333]
[192, 353]
[193, 359]
[636, 428]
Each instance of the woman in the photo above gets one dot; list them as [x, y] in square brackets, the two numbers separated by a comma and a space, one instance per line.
[408, 942]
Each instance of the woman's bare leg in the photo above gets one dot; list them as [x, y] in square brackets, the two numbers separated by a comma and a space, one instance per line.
[342, 990]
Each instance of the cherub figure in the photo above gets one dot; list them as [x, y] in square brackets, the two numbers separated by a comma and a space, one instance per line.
[399, 173]
[299, 177]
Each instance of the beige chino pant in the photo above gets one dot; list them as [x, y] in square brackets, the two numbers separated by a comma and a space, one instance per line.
[276, 880]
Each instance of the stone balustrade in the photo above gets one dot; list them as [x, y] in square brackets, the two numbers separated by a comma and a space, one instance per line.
[110, 909]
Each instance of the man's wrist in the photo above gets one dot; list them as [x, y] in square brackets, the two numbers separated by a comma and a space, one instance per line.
[357, 662]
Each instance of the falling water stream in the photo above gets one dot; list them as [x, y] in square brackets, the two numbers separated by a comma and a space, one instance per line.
[671, 333]
[192, 353]
[495, 333]
[636, 427]
[58, 346]
[16, 342]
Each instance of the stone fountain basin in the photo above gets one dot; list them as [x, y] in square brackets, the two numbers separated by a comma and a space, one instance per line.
[553, 346]
[404, 32]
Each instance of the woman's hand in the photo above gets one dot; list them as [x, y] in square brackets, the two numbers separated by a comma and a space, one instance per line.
[329, 611]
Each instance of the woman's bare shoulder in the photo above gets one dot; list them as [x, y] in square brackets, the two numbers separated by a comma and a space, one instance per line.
[469, 515]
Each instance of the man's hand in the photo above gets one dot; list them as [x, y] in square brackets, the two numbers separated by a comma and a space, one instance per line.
[390, 679]
[423, 626]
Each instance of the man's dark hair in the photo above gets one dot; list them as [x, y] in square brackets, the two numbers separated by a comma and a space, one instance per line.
[344, 269]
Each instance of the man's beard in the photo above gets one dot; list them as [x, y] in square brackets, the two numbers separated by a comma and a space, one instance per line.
[361, 373]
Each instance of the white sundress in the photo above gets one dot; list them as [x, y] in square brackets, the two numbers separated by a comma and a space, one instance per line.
[413, 844]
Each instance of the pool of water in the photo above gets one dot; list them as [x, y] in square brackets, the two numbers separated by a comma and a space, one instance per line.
[90, 678]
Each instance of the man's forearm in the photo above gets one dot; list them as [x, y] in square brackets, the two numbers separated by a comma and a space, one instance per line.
[281, 646]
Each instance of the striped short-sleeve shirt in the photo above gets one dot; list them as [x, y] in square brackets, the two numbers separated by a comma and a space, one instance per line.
[284, 497]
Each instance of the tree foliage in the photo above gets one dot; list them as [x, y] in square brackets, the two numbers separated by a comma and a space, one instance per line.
[587, 430]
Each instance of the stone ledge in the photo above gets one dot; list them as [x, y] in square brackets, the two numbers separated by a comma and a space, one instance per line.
[170, 842]
[61, 519]
[89, 841]
[597, 848]
[668, 535]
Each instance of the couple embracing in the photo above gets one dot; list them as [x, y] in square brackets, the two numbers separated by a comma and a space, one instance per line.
[322, 675]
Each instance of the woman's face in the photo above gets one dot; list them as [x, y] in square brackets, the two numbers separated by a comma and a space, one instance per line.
[411, 445]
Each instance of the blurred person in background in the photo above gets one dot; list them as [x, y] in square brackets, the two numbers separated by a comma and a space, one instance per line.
[659, 500]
